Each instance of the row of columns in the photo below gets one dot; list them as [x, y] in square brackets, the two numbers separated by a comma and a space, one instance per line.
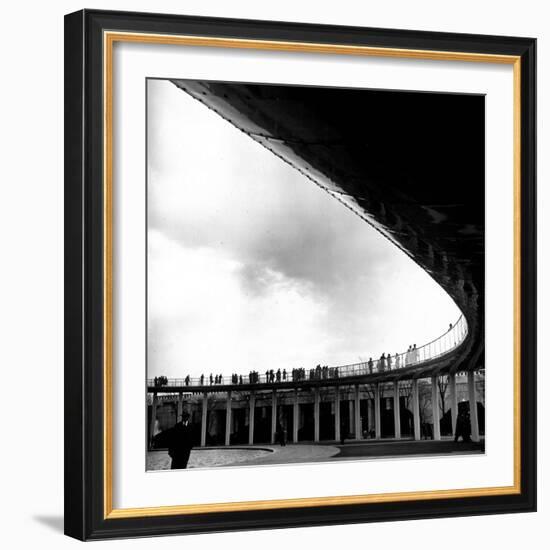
[355, 417]
[474, 422]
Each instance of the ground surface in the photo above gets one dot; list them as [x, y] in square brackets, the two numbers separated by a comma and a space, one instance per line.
[207, 458]
[404, 448]
[275, 454]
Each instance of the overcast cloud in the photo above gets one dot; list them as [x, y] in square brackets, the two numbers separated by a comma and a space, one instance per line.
[250, 265]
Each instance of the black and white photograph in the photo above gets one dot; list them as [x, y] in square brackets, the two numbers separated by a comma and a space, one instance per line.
[315, 274]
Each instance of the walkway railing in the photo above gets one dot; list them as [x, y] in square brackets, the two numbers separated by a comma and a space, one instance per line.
[413, 356]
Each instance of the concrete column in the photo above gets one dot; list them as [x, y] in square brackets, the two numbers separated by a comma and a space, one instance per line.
[228, 419]
[357, 408]
[396, 410]
[454, 402]
[180, 406]
[351, 417]
[336, 413]
[377, 423]
[153, 418]
[296, 417]
[416, 410]
[252, 410]
[273, 415]
[370, 412]
[204, 418]
[435, 409]
[316, 414]
[474, 423]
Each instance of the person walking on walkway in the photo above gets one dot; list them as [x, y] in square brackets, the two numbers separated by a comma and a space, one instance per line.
[382, 363]
[414, 353]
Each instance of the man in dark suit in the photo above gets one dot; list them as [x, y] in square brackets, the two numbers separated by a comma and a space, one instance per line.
[179, 441]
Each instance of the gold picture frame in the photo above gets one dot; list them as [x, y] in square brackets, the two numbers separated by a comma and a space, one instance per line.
[101, 31]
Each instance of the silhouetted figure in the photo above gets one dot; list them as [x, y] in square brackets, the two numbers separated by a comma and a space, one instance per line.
[281, 436]
[414, 353]
[463, 427]
[178, 440]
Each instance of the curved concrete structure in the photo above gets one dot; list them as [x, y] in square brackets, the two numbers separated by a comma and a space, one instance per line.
[410, 164]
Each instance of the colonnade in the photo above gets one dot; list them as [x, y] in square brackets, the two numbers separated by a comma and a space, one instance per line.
[374, 412]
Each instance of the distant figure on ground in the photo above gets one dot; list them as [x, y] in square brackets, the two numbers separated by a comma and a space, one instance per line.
[281, 435]
[426, 430]
[389, 361]
[370, 364]
[463, 427]
[397, 361]
[178, 440]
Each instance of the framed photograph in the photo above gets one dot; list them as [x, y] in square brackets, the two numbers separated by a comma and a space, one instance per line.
[300, 274]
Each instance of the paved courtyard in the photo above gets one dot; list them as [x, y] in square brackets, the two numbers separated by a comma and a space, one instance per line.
[207, 458]
[291, 454]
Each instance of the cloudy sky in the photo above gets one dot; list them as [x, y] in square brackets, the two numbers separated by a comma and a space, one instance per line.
[252, 266]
